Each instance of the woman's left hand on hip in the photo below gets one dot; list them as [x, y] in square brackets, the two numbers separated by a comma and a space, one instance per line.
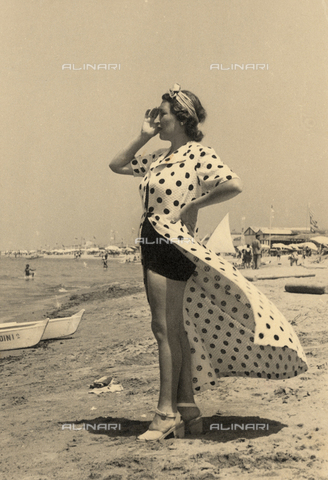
[188, 216]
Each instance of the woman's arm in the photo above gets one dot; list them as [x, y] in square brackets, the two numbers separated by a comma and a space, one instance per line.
[121, 162]
[219, 194]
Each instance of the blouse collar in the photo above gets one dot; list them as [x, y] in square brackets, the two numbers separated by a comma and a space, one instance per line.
[177, 156]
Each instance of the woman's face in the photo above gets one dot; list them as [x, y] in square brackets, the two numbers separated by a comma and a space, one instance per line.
[168, 122]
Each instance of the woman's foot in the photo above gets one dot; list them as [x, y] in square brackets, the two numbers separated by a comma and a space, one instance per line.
[192, 417]
[163, 425]
[188, 411]
[162, 422]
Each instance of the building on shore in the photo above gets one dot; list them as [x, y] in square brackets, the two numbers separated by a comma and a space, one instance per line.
[270, 236]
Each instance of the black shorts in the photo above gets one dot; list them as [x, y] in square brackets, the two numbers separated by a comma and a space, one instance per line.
[162, 256]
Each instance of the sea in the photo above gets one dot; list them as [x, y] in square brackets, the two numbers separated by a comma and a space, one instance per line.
[54, 280]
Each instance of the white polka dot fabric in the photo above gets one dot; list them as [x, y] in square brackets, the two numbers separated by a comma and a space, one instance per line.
[233, 329]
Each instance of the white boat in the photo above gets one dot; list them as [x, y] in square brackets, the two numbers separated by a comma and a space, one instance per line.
[11, 333]
[62, 327]
[21, 335]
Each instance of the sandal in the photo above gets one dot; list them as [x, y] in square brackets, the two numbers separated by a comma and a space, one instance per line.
[195, 425]
[177, 428]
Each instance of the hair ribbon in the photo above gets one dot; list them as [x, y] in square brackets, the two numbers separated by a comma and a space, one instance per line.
[183, 100]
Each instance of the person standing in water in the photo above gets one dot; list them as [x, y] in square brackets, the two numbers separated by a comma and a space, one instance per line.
[29, 272]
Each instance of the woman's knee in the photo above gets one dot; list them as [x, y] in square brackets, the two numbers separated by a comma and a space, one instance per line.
[165, 328]
[158, 328]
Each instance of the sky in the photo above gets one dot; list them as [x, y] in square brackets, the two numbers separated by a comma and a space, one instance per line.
[61, 127]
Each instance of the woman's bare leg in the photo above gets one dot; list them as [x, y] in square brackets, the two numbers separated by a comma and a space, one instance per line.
[166, 303]
[165, 299]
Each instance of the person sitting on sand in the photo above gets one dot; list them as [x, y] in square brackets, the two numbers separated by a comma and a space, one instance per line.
[29, 271]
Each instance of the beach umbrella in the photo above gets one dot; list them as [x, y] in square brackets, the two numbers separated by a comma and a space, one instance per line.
[133, 248]
[91, 250]
[127, 250]
[321, 240]
[113, 248]
[282, 246]
[310, 245]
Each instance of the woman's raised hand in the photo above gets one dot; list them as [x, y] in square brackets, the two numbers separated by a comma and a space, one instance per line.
[149, 126]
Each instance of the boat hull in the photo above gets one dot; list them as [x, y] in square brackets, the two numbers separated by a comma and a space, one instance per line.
[21, 335]
[62, 327]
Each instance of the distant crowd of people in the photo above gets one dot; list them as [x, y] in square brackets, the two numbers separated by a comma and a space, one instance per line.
[251, 255]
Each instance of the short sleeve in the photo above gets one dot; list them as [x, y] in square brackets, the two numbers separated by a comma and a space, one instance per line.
[141, 163]
[211, 171]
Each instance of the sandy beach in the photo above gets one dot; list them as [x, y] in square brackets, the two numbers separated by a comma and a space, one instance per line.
[54, 428]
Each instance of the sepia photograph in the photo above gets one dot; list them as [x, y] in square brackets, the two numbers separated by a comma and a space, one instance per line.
[164, 239]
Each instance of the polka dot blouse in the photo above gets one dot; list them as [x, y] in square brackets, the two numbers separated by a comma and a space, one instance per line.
[172, 182]
[233, 329]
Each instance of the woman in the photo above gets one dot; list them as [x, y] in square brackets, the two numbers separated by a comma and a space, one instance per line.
[182, 277]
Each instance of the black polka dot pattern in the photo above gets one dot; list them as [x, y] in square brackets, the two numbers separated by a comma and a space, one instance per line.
[233, 329]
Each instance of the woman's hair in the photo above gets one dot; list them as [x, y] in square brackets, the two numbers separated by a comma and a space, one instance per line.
[190, 122]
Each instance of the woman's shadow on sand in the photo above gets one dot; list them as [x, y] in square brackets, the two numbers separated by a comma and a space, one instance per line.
[217, 428]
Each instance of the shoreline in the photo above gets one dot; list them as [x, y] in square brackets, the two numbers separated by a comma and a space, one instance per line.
[79, 297]
[67, 256]
[310, 270]
[55, 280]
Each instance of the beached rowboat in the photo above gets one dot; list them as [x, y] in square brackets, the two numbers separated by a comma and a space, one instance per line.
[62, 327]
[21, 335]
